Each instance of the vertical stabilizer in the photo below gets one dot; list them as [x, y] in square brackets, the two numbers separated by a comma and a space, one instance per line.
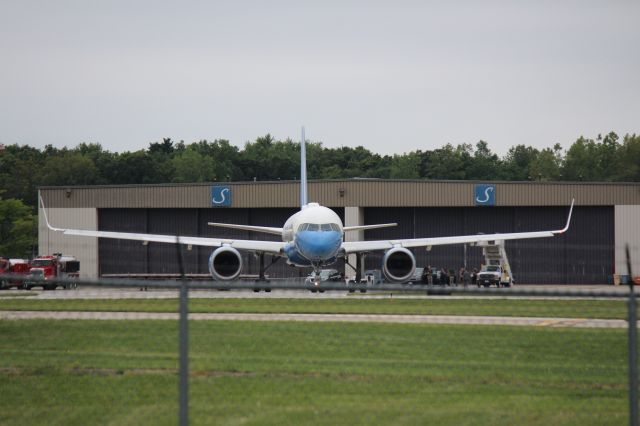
[303, 171]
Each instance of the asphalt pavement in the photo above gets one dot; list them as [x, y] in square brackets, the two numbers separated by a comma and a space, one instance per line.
[401, 319]
[89, 292]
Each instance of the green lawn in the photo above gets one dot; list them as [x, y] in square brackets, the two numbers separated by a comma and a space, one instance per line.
[607, 309]
[274, 373]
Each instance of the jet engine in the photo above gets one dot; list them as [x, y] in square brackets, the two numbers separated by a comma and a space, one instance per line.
[398, 265]
[225, 263]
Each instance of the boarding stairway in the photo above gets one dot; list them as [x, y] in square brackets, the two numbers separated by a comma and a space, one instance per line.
[495, 254]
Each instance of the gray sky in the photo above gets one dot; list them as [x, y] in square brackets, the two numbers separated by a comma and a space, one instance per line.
[391, 76]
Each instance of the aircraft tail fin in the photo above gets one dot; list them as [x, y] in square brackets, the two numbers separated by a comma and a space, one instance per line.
[303, 171]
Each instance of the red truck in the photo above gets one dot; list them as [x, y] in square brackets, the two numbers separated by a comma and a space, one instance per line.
[45, 268]
[13, 267]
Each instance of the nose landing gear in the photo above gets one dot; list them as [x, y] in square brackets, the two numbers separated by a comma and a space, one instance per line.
[316, 280]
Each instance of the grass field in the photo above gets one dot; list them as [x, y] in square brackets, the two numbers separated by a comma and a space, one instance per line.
[606, 309]
[274, 373]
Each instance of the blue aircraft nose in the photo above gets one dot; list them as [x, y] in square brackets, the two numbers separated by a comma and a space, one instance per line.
[318, 245]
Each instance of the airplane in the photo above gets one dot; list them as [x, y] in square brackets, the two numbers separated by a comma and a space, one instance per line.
[312, 237]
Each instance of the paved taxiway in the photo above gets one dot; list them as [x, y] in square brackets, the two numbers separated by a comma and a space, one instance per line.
[88, 292]
[402, 319]
[131, 293]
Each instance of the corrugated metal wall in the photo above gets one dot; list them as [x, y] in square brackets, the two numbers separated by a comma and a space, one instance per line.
[162, 258]
[84, 249]
[627, 229]
[122, 256]
[584, 255]
[363, 193]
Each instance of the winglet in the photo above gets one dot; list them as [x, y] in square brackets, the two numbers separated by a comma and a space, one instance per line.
[563, 230]
[46, 219]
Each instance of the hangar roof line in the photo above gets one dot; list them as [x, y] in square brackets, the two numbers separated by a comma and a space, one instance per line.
[343, 193]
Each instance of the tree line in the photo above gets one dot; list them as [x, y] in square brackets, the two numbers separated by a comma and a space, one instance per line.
[23, 168]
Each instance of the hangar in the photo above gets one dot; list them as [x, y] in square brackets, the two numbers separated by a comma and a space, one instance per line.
[606, 217]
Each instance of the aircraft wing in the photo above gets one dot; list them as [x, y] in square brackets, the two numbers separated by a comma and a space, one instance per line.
[272, 247]
[365, 246]
[365, 227]
[265, 229]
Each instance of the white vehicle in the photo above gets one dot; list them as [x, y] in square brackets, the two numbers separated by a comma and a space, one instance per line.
[493, 275]
[373, 276]
[314, 236]
[313, 279]
[325, 275]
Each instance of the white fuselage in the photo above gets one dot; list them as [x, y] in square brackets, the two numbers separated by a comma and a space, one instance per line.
[314, 236]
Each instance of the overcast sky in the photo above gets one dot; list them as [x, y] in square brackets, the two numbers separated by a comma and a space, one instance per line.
[392, 76]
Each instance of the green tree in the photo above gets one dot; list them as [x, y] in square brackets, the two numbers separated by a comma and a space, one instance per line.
[253, 159]
[165, 147]
[18, 172]
[103, 160]
[138, 168]
[316, 160]
[607, 152]
[69, 168]
[448, 162]
[353, 162]
[547, 165]
[580, 162]
[225, 158]
[517, 163]
[406, 166]
[158, 165]
[18, 233]
[484, 165]
[629, 159]
[593, 160]
[191, 166]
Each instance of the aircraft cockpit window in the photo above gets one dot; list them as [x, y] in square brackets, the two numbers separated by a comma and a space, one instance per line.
[315, 227]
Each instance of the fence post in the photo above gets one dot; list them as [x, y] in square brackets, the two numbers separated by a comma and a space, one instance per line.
[183, 389]
[633, 349]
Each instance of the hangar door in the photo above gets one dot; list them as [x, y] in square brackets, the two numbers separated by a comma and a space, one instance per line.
[584, 255]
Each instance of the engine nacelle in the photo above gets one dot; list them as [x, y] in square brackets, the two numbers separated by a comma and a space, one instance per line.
[398, 265]
[225, 263]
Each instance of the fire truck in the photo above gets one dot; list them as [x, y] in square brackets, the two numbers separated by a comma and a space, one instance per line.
[12, 267]
[45, 268]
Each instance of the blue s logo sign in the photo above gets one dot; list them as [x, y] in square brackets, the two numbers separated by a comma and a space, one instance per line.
[220, 196]
[485, 195]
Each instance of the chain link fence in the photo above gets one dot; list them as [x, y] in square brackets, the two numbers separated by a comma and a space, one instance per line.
[274, 352]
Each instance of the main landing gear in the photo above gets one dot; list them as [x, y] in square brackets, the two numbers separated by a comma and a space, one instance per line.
[261, 277]
[357, 284]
